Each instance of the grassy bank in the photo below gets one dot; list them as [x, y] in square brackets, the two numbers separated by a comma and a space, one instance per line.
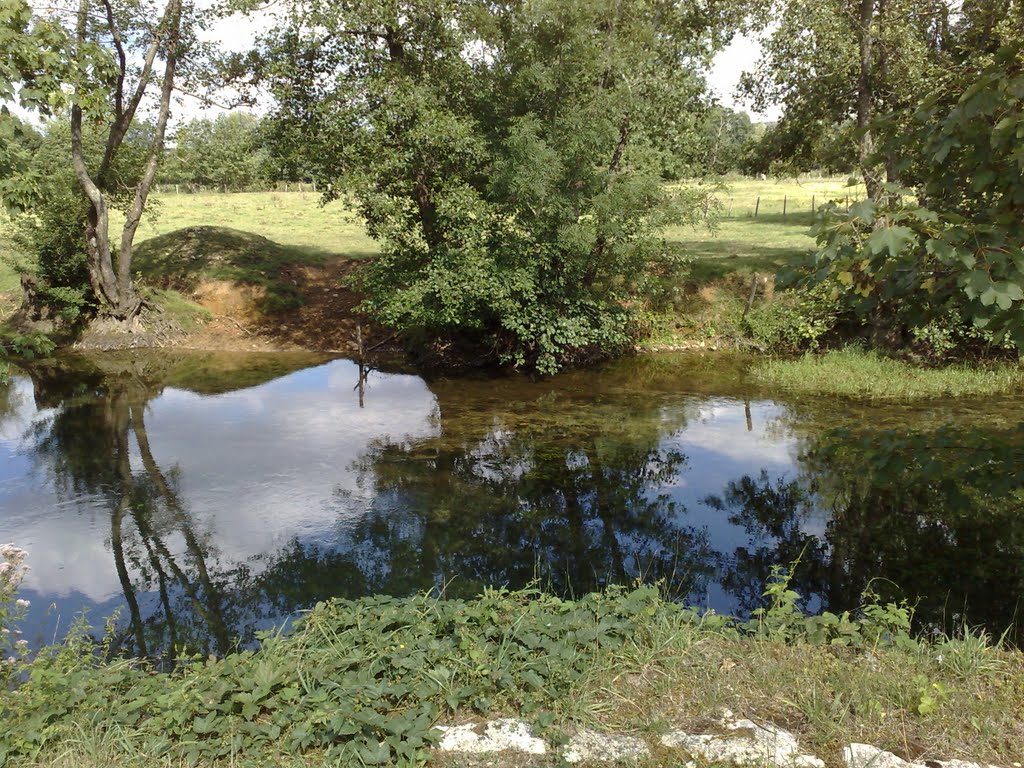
[854, 372]
[263, 239]
[365, 682]
[296, 220]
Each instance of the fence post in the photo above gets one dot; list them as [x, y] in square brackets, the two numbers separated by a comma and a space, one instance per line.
[757, 206]
[814, 199]
[785, 204]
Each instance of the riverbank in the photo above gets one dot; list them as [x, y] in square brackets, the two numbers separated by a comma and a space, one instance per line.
[369, 681]
[270, 271]
[273, 272]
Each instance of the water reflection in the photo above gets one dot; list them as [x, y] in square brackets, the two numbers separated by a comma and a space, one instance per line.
[208, 497]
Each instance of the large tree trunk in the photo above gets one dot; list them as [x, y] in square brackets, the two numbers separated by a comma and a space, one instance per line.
[865, 100]
[112, 282]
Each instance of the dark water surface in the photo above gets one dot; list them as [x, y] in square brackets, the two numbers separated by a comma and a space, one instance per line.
[209, 496]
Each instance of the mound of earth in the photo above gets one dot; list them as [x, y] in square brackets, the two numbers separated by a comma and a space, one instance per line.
[259, 295]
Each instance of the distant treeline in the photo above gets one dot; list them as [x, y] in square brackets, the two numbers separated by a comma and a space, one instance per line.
[231, 152]
[238, 151]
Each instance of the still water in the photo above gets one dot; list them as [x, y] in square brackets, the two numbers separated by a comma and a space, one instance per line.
[205, 497]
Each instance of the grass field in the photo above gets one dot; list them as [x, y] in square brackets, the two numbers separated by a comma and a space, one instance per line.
[738, 244]
[857, 373]
[742, 242]
[293, 219]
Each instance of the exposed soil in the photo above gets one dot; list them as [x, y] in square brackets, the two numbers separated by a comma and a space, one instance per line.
[326, 320]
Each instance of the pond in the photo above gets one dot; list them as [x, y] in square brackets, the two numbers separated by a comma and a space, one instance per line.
[206, 497]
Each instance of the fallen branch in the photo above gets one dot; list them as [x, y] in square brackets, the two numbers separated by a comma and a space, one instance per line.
[240, 327]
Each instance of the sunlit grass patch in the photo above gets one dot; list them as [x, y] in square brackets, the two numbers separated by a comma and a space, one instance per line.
[291, 219]
[853, 372]
[190, 317]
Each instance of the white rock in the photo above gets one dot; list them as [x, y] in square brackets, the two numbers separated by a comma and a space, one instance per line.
[599, 747]
[867, 756]
[761, 745]
[495, 736]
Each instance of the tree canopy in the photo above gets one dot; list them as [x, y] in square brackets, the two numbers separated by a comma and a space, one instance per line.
[506, 155]
[226, 152]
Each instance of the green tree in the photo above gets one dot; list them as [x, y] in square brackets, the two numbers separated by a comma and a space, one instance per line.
[30, 74]
[728, 136]
[790, 148]
[954, 252]
[101, 66]
[834, 64]
[506, 155]
[18, 142]
[224, 152]
[51, 232]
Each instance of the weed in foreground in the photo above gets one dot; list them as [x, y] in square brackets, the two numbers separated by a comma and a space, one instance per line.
[364, 682]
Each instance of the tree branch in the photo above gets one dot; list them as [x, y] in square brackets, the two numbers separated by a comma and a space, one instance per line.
[122, 60]
[172, 20]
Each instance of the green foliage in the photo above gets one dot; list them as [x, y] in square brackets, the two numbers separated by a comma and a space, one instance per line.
[810, 65]
[717, 144]
[29, 346]
[363, 682]
[793, 320]
[12, 610]
[789, 147]
[52, 236]
[51, 233]
[18, 141]
[959, 251]
[225, 152]
[506, 156]
[873, 625]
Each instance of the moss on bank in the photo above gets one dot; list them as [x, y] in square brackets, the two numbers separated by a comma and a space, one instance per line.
[364, 682]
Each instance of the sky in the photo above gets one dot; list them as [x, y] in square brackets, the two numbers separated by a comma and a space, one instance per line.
[738, 57]
[237, 34]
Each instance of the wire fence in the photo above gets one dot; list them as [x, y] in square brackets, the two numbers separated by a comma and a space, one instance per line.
[785, 207]
[208, 189]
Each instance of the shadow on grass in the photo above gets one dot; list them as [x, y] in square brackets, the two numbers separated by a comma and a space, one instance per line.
[715, 260]
[181, 259]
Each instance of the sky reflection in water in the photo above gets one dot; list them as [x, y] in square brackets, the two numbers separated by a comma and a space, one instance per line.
[205, 511]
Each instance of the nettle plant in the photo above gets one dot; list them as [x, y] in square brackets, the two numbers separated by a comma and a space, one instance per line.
[952, 244]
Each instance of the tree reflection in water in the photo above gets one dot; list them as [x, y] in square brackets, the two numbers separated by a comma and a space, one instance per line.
[560, 485]
[89, 440]
[936, 517]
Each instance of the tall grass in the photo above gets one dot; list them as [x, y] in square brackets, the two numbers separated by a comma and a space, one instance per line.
[853, 372]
